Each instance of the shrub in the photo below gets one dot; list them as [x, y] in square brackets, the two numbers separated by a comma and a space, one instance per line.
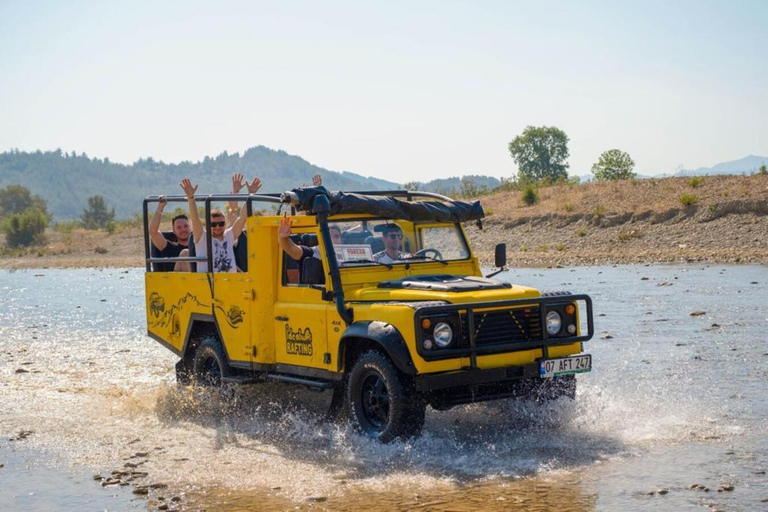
[561, 247]
[524, 248]
[530, 195]
[543, 248]
[100, 250]
[689, 199]
[25, 228]
[599, 211]
[568, 207]
[111, 226]
[629, 234]
[582, 232]
[696, 181]
[96, 215]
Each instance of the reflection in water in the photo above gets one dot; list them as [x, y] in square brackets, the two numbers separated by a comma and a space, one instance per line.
[672, 401]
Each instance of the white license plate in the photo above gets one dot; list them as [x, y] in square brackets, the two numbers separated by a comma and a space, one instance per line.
[565, 366]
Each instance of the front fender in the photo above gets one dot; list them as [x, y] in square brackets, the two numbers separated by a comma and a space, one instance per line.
[387, 336]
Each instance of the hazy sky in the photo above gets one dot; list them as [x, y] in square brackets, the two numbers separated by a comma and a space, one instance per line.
[400, 90]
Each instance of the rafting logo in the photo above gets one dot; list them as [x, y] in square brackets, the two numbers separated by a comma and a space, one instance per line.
[298, 342]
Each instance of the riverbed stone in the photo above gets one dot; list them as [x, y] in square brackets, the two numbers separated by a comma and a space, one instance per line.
[698, 312]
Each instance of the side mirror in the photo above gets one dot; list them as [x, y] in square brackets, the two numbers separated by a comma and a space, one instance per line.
[312, 271]
[501, 255]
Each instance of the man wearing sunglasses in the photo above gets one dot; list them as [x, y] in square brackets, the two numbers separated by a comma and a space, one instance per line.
[222, 240]
[392, 235]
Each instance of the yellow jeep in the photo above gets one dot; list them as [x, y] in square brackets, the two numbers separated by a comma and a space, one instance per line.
[387, 338]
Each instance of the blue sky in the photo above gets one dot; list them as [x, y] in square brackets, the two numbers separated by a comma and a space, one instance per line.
[399, 90]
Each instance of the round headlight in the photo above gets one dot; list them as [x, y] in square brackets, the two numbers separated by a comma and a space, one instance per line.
[553, 322]
[443, 334]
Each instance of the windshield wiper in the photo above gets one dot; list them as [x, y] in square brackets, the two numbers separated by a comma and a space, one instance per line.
[370, 261]
[425, 257]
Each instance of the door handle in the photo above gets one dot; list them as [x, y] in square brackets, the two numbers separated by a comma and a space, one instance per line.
[281, 318]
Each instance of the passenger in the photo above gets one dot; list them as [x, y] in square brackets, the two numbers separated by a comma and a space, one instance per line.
[222, 239]
[299, 252]
[168, 248]
[392, 235]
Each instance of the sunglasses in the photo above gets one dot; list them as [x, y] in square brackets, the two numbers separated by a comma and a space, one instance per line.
[395, 236]
[219, 224]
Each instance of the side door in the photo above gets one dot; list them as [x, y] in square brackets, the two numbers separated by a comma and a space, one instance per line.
[300, 323]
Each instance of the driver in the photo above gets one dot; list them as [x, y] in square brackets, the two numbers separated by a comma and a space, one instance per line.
[392, 235]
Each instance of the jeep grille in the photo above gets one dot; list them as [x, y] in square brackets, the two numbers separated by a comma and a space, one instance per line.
[503, 326]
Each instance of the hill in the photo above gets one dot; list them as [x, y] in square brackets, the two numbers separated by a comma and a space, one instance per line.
[66, 180]
[746, 165]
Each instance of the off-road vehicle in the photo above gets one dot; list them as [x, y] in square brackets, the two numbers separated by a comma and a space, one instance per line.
[387, 339]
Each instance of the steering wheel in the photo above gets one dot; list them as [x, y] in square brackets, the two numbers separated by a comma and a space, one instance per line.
[424, 253]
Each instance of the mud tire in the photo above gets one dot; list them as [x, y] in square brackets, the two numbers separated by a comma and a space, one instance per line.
[210, 364]
[380, 402]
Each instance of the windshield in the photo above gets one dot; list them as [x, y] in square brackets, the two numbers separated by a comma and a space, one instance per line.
[394, 242]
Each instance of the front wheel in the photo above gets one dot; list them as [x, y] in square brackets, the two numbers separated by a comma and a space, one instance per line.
[381, 403]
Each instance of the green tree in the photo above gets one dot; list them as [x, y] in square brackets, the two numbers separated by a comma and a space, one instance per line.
[96, 215]
[25, 228]
[541, 153]
[16, 199]
[614, 164]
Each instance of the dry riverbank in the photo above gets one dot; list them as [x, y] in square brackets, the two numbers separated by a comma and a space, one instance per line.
[636, 221]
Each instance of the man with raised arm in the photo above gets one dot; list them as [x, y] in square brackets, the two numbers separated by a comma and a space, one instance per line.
[299, 252]
[222, 240]
[168, 248]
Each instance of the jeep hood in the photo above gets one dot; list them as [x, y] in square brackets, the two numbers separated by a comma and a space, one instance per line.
[454, 289]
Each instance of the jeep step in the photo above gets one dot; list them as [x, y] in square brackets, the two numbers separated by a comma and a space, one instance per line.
[321, 384]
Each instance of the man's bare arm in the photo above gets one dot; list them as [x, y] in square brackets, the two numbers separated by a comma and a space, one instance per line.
[158, 240]
[239, 224]
[283, 238]
[189, 191]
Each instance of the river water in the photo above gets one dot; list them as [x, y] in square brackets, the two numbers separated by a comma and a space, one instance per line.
[674, 401]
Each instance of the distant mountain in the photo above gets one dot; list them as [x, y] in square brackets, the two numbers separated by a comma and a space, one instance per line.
[66, 180]
[746, 165]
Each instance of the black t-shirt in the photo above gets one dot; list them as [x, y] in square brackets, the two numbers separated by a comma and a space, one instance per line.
[172, 250]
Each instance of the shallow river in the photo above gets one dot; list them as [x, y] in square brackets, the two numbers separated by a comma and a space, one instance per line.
[674, 401]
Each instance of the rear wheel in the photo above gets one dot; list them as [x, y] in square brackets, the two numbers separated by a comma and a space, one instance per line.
[381, 403]
[210, 366]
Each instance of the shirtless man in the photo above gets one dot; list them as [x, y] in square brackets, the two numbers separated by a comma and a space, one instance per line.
[168, 248]
[392, 234]
[222, 240]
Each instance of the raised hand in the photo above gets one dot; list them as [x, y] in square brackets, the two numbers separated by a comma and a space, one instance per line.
[254, 186]
[188, 188]
[237, 183]
[284, 229]
[317, 180]
[161, 202]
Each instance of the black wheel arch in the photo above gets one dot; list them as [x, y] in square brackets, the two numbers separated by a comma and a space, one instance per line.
[381, 335]
[200, 327]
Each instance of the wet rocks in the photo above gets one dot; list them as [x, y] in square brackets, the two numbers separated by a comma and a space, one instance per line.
[726, 488]
[606, 336]
[23, 434]
[698, 312]
[22, 370]
[699, 487]
[141, 491]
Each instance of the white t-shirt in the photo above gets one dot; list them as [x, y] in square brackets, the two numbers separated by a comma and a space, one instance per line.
[223, 253]
[383, 257]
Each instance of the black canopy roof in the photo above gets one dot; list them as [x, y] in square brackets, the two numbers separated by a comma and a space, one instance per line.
[391, 207]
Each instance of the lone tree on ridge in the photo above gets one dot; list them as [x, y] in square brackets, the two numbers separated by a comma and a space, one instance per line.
[541, 153]
[614, 164]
